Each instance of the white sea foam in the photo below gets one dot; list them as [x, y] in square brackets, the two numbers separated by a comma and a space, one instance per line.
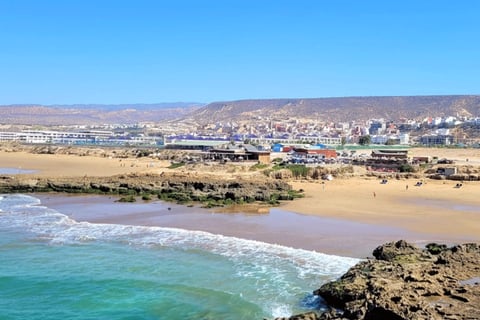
[280, 310]
[25, 212]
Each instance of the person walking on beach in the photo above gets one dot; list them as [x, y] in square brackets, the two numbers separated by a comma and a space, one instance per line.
[406, 187]
[374, 194]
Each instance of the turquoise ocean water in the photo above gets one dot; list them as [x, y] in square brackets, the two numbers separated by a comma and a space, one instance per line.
[52, 267]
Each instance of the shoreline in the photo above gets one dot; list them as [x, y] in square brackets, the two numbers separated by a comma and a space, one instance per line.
[309, 232]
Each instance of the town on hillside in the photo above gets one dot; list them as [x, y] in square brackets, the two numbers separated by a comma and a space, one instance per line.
[267, 132]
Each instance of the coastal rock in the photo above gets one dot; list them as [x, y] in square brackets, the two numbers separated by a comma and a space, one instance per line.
[398, 251]
[404, 282]
[167, 186]
[303, 316]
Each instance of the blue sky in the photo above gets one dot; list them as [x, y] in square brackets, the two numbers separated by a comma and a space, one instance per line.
[138, 51]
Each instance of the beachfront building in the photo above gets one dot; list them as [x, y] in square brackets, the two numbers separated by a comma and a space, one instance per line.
[391, 139]
[387, 160]
[447, 171]
[9, 136]
[390, 154]
[300, 139]
[192, 144]
[379, 139]
[51, 137]
[435, 140]
[82, 137]
[245, 152]
[312, 154]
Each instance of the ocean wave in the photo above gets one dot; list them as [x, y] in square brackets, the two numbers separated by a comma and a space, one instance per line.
[266, 267]
[26, 212]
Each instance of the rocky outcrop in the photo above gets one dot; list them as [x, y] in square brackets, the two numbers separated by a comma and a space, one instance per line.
[303, 316]
[455, 177]
[167, 186]
[404, 282]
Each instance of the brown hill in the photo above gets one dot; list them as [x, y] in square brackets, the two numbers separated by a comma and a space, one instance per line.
[342, 109]
[323, 109]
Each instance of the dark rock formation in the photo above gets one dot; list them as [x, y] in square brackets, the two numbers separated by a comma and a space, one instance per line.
[167, 186]
[404, 282]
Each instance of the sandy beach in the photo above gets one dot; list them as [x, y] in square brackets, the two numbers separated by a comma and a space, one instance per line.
[436, 207]
[344, 216]
[58, 165]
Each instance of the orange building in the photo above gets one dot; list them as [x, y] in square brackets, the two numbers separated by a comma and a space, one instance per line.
[317, 152]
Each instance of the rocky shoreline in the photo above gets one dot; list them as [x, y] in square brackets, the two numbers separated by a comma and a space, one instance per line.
[404, 282]
[177, 187]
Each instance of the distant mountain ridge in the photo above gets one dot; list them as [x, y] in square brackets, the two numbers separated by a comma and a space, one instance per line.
[112, 106]
[322, 109]
[137, 106]
[343, 109]
[94, 114]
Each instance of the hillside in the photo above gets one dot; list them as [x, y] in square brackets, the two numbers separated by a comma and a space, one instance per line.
[342, 109]
[323, 109]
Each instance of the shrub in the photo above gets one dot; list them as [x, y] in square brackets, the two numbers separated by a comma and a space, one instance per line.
[258, 166]
[129, 198]
[435, 248]
[406, 168]
[298, 170]
[267, 172]
[176, 165]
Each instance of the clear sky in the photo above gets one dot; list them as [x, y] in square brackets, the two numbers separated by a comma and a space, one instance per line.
[138, 51]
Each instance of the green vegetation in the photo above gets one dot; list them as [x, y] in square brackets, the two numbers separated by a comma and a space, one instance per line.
[406, 168]
[274, 199]
[298, 170]
[258, 166]
[275, 167]
[176, 165]
[129, 198]
[212, 204]
[435, 248]
[143, 153]
[267, 172]
[391, 142]
[179, 197]
[364, 140]
[294, 194]
[146, 197]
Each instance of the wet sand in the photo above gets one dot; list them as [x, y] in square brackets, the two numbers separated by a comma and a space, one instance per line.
[321, 234]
